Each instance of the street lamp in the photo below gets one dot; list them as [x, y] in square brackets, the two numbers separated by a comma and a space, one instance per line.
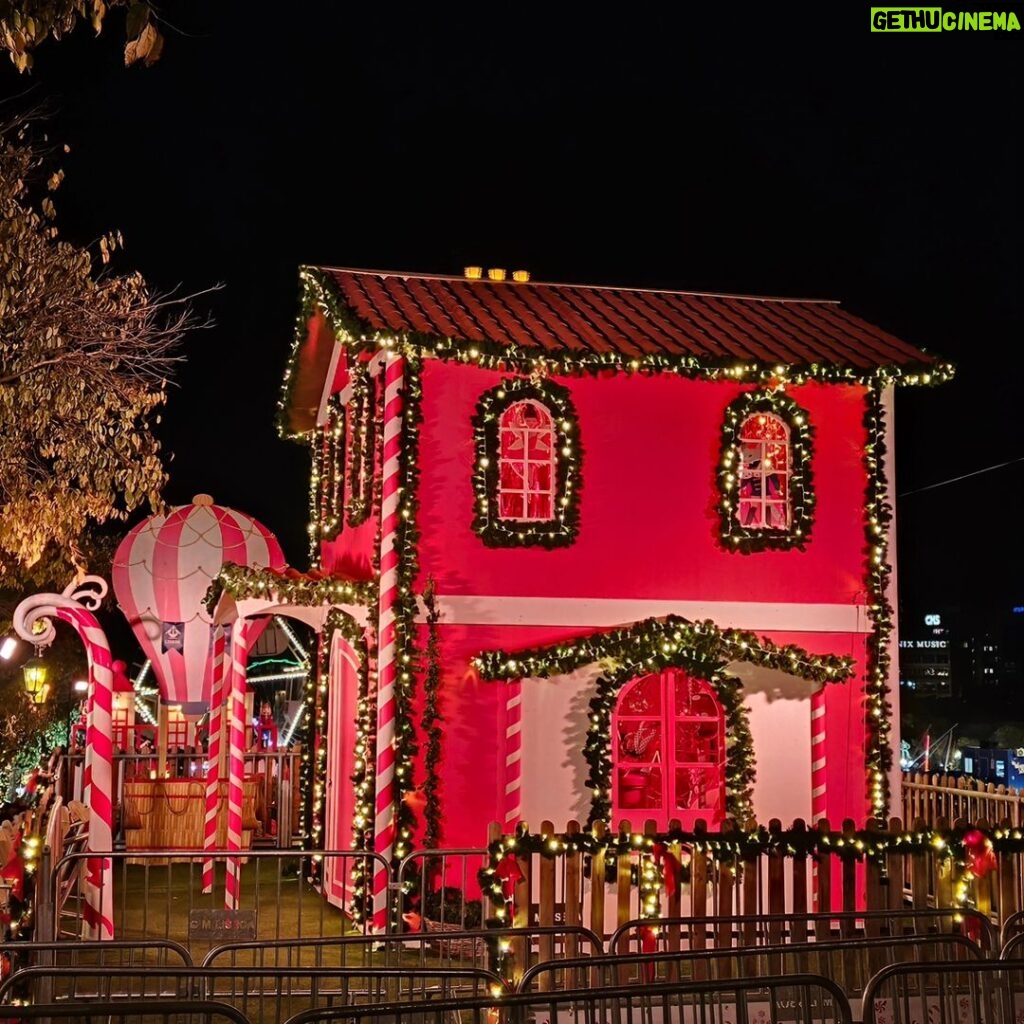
[35, 674]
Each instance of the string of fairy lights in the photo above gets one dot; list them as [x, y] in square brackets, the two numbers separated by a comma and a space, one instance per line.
[319, 295]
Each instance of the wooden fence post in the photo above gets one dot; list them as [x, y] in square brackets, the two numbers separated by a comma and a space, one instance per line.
[572, 891]
[546, 906]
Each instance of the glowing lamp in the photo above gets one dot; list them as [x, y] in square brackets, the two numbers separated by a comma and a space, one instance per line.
[496, 274]
[473, 273]
[34, 674]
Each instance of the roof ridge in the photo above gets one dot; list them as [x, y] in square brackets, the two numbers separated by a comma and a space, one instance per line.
[568, 284]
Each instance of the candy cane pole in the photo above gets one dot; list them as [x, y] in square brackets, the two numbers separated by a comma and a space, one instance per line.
[513, 755]
[387, 669]
[33, 622]
[819, 807]
[213, 756]
[236, 763]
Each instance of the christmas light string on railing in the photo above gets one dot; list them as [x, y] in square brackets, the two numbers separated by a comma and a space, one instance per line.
[800, 490]
[495, 531]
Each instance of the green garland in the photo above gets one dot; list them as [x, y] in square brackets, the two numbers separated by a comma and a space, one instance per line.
[319, 292]
[487, 521]
[432, 722]
[701, 649]
[734, 534]
[290, 587]
[737, 846]
[361, 463]
[878, 519]
[326, 480]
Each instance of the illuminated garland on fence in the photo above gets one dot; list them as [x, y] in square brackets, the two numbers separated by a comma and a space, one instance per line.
[735, 846]
[487, 521]
[701, 649]
[878, 518]
[319, 292]
[800, 492]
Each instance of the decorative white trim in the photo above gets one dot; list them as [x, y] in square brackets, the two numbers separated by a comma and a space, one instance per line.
[460, 609]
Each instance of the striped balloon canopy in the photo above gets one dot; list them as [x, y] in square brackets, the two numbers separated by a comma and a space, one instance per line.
[161, 573]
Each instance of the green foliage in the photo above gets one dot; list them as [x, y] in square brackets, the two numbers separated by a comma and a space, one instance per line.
[26, 24]
[84, 360]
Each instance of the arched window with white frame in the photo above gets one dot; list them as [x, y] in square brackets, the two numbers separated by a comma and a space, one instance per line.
[526, 474]
[765, 466]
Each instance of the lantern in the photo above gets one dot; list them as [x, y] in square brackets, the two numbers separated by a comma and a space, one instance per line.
[35, 674]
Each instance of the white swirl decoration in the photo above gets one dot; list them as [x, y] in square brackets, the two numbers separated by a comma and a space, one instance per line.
[33, 618]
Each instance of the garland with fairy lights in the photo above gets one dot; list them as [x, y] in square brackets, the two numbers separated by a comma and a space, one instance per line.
[800, 492]
[963, 846]
[406, 608]
[487, 522]
[878, 519]
[701, 649]
[361, 460]
[314, 755]
[289, 587]
[326, 480]
[319, 292]
[431, 727]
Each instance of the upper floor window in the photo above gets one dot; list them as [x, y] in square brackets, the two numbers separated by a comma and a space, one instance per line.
[527, 464]
[764, 477]
[764, 472]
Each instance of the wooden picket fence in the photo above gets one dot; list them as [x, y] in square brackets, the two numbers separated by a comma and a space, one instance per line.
[575, 888]
[949, 797]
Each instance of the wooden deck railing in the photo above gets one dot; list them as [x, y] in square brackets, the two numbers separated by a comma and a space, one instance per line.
[931, 797]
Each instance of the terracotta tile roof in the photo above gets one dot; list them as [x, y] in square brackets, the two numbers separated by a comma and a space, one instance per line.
[586, 321]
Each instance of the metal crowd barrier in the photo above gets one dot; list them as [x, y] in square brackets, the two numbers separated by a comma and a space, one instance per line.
[1012, 927]
[266, 994]
[946, 992]
[850, 964]
[777, 929]
[801, 997]
[148, 1011]
[482, 948]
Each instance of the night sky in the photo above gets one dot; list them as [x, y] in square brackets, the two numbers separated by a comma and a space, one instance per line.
[717, 151]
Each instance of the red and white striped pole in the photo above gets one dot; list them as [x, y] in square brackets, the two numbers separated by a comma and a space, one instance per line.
[385, 796]
[819, 806]
[513, 755]
[236, 760]
[33, 623]
[213, 755]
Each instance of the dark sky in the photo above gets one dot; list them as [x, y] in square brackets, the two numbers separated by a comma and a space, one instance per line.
[757, 153]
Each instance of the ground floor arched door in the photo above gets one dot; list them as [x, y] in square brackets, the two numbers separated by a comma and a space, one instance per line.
[668, 751]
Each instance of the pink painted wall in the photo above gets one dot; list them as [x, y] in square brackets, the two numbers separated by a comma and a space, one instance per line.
[648, 527]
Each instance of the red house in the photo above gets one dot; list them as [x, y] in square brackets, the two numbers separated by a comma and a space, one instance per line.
[591, 553]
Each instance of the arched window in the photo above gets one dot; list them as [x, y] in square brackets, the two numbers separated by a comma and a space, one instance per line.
[527, 464]
[668, 751]
[764, 472]
[765, 495]
[526, 471]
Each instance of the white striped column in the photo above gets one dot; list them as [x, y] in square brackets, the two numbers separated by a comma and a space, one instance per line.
[385, 796]
[98, 774]
[213, 755]
[513, 755]
[236, 761]
[819, 806]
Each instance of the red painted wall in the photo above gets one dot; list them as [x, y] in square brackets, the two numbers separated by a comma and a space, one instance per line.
[648, 526]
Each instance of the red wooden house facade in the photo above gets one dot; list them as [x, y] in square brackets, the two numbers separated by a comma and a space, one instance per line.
[610, 554]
